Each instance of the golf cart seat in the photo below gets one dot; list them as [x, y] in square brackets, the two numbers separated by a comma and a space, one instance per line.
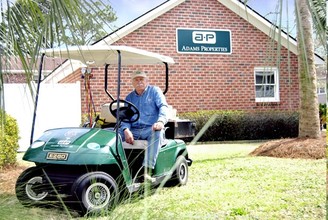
[141, 144]
[108, 119]
[138, 144]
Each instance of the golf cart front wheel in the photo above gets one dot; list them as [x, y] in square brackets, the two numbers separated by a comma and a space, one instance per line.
[97, 192]
[32, 188]
[180, 175]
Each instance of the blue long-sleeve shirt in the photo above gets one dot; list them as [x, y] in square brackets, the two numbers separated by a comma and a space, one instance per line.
[152, 106]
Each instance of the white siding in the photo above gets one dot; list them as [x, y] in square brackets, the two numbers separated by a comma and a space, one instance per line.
[59, 106]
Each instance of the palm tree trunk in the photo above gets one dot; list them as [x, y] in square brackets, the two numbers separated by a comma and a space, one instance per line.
[309, 123]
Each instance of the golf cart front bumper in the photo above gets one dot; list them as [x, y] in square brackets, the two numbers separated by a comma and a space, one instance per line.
[189, 162]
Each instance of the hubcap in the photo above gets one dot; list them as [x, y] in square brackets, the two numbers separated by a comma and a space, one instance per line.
[97, 195]
[182, 172]
[34, 189]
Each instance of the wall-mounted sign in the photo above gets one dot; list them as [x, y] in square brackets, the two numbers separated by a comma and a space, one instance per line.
[212, 41]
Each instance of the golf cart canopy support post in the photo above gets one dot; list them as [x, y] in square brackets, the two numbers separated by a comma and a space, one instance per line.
[36, 97]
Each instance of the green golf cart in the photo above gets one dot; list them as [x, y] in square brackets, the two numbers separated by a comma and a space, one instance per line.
[89, 166]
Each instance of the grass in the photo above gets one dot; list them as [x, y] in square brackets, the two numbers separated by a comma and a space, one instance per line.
[224, 183]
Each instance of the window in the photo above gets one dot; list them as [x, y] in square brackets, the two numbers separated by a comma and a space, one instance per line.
[266, 84]
[321, 86]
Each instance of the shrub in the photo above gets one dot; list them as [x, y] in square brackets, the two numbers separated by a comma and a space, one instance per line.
[323, 114]
[8, 139]
[239, 125]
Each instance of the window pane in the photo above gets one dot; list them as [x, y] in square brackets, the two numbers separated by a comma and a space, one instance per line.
[321, 86]
[259, 79]
[322, 90]
[269, 91]
[270, 78]
[264, 91]
[259, 91]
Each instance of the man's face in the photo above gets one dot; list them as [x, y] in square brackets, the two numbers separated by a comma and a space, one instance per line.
[140, 83]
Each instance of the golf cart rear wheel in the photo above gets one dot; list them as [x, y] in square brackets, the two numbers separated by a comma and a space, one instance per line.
[32, 188]
[97, 192]
[180, 175]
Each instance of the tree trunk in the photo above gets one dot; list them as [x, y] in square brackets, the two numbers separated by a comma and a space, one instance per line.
[309, 123]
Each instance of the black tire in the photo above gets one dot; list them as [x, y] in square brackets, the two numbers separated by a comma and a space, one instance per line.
[180, 174]
[96, 192]
[32, 187]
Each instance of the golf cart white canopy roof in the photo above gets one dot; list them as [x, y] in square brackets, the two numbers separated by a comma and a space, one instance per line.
[99, 56]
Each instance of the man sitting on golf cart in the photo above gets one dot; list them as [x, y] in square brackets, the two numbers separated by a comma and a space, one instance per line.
[153, 108]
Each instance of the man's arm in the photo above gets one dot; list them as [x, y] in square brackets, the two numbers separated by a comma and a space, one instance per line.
[162, 106]
[128, 136]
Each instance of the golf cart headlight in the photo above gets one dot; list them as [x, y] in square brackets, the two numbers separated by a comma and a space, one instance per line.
[37, 144]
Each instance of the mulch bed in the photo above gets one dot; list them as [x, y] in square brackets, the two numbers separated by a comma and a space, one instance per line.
[305, 148]
[8, 177]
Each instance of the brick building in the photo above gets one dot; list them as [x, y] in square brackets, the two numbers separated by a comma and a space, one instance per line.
[243, 74]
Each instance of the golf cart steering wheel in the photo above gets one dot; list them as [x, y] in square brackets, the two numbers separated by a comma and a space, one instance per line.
[128, 111]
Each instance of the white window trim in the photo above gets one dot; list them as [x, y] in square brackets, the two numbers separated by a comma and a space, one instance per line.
[276, 97]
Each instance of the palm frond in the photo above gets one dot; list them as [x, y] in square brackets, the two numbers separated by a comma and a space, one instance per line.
[27, 26]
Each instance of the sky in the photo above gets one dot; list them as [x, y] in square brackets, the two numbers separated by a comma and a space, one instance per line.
[128, 10]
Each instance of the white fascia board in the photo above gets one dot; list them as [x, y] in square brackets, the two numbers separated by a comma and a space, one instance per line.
[63, 71]
[146, 18]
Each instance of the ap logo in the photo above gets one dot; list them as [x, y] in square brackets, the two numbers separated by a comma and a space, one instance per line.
[203, 37]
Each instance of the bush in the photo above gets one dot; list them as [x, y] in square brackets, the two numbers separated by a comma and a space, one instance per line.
[8, 140]
[323, 115]
[239, 125]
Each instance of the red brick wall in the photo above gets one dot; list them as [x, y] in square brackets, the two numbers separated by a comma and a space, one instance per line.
[207, 81]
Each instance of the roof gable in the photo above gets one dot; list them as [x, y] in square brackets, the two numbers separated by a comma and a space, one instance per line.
[236, 6]
[139, 22]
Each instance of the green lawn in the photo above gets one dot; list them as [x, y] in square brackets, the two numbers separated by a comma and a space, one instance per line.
[224, 183]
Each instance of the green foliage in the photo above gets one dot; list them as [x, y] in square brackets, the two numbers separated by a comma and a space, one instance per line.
[318, 10]
[8, 139]
[238, 212]
[27, 26]
[239, 125]
[94, 25]
[86, 22]
[86, 120]
[323, 113]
